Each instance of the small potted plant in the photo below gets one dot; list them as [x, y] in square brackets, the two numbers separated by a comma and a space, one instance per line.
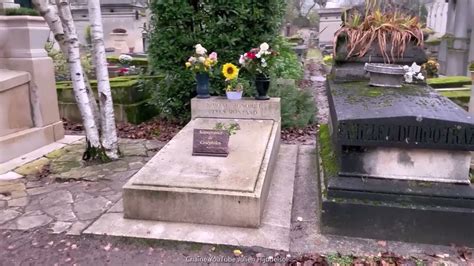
[258, 62]
[233, 89]
[202, 64]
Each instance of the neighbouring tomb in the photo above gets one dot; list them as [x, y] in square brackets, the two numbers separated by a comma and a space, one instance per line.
[29, 116]
[179, 187]
[403, 161]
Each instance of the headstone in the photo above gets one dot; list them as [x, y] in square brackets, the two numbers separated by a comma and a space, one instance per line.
[231, 191]
[409, 133]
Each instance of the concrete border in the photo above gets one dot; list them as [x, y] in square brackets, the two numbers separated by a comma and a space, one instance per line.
[274, 232]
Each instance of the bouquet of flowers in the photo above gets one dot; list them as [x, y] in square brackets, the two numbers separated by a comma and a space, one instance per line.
[258, 60]
[413, 72]
[431, 67]
[201, 62]
[231, 74]
[125, 59]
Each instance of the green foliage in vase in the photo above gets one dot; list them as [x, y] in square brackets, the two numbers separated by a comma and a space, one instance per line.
[227, 27]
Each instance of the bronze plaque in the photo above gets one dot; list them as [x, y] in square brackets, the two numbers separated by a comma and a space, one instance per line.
[210, 142]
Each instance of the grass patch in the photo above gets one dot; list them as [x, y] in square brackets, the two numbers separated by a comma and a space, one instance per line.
[328, 156]
[449, 82]
[22, 11]
[462, 95]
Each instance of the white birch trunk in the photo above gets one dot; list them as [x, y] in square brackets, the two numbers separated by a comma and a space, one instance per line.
[77, 77]
[51, 17]
[107, 117]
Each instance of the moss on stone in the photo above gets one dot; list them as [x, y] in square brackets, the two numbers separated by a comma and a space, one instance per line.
[328, 156]
[449, 82]
[55, 154]
[33, 167]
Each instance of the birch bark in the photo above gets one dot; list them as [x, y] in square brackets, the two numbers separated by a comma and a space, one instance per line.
[77, 78]
[50, 15]
[107, 117]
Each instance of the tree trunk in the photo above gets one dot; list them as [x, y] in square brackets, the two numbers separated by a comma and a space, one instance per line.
[94, 149]
[50, 15]
[107, 117]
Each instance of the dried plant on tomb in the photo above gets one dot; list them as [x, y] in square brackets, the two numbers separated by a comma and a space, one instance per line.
[391, 31]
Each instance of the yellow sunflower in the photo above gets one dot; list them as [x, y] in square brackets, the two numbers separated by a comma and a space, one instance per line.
[230, 71]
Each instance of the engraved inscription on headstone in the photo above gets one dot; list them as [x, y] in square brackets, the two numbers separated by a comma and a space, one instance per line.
[441, 134]
[210, 142]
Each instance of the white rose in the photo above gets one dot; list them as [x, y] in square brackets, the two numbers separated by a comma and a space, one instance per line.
[258, 55]
[264, 64]
[415, 68]
[201, 59]
[408, 78]
[241, 60]
[263, 60]
[192, 59]
[420, 76]
[264, 46]
[200, 50]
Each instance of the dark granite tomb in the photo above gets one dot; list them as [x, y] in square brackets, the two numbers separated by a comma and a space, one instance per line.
[403, 157]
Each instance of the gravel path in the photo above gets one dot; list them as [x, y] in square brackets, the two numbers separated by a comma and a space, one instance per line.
[315, 74]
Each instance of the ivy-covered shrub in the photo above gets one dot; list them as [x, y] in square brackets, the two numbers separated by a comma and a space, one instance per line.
[228, 27]
[286, 64]
[297, 105]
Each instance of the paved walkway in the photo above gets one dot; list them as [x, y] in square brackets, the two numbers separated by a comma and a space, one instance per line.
[61, 192]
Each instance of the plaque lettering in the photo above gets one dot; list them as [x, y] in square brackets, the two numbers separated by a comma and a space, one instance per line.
[210, 142]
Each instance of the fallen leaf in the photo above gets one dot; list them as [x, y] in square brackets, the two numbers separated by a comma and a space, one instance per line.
[73, 246]
[51, 243]
[107, 248]
[237, 252]
[213, 249]
[299, 219]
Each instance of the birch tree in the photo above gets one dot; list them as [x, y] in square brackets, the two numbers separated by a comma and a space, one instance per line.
[107, 118]
[50, 15]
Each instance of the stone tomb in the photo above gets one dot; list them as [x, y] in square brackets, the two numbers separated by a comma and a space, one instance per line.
[176, 186]
[411, 133]
[403, 157]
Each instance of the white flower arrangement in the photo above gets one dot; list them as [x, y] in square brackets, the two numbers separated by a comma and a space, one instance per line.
[125, 59]
[413, 71]
[200, 50]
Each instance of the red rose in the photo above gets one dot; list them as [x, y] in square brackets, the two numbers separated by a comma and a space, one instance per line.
[250, 55]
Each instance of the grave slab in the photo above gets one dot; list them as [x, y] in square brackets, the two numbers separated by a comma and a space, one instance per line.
[176, 186]
[274, 232]
[410, 133]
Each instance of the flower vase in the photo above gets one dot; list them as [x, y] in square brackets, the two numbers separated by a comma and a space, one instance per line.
[202, 87]
[234, 95]
[262, 83]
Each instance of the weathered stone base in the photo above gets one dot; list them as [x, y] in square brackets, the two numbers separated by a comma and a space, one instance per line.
[178, 187]
[447, 166]
[28, 140]
[274, 232]
[432, 213]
